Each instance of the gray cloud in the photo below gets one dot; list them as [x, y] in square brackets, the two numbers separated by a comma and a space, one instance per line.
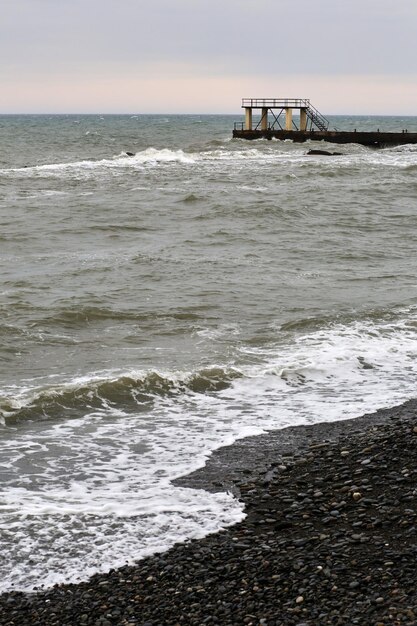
[237, 36]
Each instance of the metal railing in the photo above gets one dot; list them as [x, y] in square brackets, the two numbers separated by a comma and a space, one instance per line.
[275, 103]
[317, 118]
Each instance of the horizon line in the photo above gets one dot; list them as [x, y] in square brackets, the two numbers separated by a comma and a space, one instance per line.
[133, 114]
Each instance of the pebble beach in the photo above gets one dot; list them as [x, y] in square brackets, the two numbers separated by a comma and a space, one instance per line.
[329, 538]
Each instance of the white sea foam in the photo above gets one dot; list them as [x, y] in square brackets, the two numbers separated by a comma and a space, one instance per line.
[92, 168]
[256, 188]
[92, 493]
[153, 156]
[265, 153]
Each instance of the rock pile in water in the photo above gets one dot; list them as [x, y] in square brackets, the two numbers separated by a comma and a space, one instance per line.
[329, 538]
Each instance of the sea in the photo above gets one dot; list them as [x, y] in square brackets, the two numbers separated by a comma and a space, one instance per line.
[166, 290]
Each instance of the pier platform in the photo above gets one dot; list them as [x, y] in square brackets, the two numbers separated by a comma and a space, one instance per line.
[277, 122]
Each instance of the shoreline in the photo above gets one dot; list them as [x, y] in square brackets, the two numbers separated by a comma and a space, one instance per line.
[225, 466]
[330, 537]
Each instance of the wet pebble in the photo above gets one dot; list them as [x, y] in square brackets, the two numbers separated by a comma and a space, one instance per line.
[329, 538]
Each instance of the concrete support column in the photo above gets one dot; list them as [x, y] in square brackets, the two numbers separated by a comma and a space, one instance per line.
[288, 119]
[248, 118]
[264, 119]
[303, 119]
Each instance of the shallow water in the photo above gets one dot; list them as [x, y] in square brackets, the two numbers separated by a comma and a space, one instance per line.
[157, 306]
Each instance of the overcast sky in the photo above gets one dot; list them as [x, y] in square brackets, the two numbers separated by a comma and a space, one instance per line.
[203, 56]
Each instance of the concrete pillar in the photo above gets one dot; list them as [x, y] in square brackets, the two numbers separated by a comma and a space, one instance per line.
[264, 119]
[248, 118]
[288, 119]
[303, 119]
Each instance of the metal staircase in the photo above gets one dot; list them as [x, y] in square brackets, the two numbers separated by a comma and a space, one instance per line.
[317, 118]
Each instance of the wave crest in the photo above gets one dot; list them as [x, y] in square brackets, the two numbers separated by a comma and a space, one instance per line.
[125, 394]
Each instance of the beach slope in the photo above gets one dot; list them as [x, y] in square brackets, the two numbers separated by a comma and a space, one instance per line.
[329, 538]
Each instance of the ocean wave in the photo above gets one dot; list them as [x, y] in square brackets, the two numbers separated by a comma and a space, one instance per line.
[220, 151]
[79, 316]
[368, 318]
[154, 157]
[165, 157]
[88, 167]
[351, 357]
[122, 394]
[320, 352]
[192, 197]
[412, 167]
[409, 147]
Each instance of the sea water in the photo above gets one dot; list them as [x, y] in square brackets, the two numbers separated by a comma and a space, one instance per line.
[157, 306]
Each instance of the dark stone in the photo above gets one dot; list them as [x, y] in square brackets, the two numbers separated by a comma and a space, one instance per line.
[323, 153]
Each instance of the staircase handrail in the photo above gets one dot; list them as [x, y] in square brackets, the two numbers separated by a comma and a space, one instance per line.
[316, 115]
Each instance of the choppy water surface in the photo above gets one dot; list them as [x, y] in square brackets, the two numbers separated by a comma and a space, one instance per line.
[157, 306]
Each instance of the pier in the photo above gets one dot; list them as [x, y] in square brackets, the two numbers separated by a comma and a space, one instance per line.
[277, 122]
